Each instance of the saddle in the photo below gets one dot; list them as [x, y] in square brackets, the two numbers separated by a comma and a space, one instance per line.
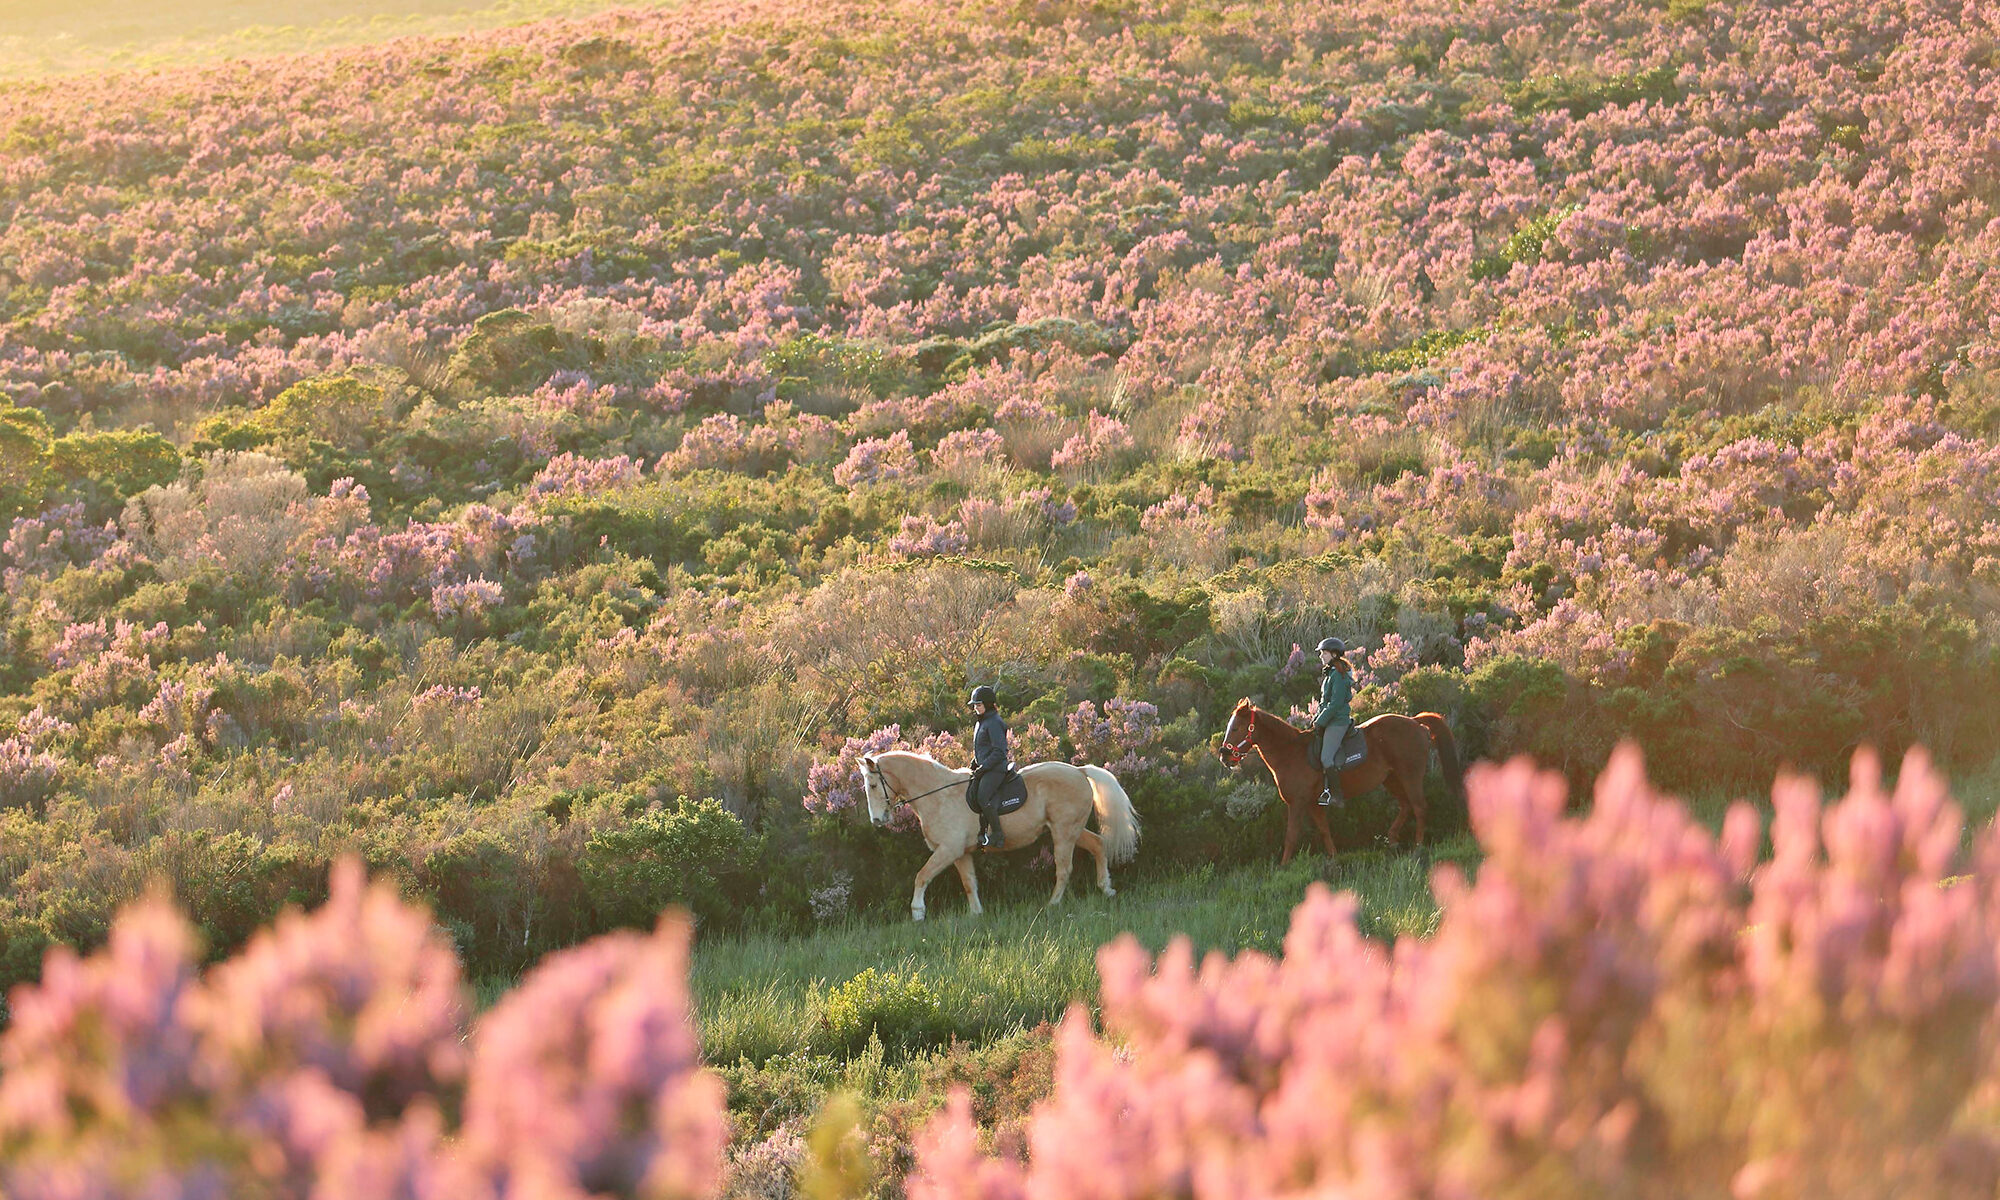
[1013, 792]
[1353, 748]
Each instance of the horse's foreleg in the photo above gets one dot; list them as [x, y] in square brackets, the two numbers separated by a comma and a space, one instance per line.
[969, 876]
[1065, 851]
[1292, 817]
[1325, 832]
[1095, 845]
[940, 858]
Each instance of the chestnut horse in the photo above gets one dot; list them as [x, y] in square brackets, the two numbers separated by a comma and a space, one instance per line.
[1399, 752]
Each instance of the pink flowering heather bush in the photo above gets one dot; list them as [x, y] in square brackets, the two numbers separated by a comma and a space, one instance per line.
[1185, 530]
[1114, 734]
[724, 442]
[1033, 743]
[28, 771]
[569, 475]
[835, 786]
[48, 541]
[1621, 1004]
[964, 451]
[924, 538]
[1031, 431]
[877, 460]
[466, 601]
[1102, 445]
[331, 1057]
[1204, 433]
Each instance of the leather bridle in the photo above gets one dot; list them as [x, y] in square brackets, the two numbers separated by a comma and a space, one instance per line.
[874, 768]
[1233, 753]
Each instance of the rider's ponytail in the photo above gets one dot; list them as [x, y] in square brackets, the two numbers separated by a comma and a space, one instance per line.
[1340, 662]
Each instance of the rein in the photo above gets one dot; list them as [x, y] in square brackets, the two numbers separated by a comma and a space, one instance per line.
[899, 802]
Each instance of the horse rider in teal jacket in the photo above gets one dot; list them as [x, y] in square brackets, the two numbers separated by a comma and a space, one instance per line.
[1335, 713]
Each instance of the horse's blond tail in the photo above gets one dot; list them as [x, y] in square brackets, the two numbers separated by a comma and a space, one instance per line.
[1117, 824]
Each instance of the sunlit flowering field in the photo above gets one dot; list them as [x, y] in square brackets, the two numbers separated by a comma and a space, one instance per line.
[1621, 1004]
[539, 463]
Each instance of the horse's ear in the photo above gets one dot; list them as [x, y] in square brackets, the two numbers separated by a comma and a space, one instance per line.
[868, 760]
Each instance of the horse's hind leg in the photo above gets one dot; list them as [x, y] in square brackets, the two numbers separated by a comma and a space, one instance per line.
[1095, 845]
[1403, 811]
[1414, 787]
[1065, 850]
[1409, 805]
[969, 876]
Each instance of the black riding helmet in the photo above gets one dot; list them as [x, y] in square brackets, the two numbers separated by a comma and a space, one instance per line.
[983, 695]
[1334, 644]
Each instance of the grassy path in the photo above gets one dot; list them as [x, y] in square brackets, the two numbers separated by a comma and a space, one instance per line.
[1020, 965]
[761, 997]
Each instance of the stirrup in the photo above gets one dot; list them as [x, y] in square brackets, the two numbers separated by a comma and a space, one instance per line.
[991, 839]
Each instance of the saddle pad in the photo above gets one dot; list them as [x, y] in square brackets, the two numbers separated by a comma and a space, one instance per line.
[1353, 748]
[1013, 794]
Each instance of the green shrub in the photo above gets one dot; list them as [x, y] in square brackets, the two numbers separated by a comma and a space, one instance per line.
[692, 853]
[508, 351]
[482, 888]
[106, 467]
[901, 1010]
[232, 883]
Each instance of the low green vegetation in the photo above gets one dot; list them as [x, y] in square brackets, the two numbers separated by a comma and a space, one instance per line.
[978, 979]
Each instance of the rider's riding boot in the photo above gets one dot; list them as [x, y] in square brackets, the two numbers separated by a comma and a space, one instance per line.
[1332, 795]
[990, 837]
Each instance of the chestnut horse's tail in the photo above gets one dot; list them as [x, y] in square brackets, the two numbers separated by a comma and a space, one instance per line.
[1117, 824]
[1447, 748]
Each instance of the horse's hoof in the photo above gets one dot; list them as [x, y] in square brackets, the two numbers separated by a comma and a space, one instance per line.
[916, 914]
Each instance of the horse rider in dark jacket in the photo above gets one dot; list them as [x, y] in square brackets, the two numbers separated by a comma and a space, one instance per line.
[989, 765]
[1335, 715]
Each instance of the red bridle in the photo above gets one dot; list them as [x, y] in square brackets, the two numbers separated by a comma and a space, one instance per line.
[1233, 753]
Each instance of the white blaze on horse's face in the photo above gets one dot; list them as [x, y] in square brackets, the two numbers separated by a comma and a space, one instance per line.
[872, 785]
[1232, 737]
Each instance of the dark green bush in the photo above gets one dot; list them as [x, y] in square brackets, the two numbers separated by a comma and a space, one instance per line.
[691, 853]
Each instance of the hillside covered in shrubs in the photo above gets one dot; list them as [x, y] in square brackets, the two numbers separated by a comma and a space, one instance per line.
[538, 462]
[1619, 1004]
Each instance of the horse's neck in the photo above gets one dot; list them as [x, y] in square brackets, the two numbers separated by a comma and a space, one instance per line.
[1274, 729]
[921, 775]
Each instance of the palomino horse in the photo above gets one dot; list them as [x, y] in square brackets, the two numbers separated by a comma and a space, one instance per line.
[1399, 752]
[1060, 799]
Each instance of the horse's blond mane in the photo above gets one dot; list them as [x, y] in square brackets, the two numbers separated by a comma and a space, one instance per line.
[921, 757]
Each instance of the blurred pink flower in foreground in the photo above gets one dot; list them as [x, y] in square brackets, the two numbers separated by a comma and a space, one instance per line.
[322, 1061]
[1619, 1005]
